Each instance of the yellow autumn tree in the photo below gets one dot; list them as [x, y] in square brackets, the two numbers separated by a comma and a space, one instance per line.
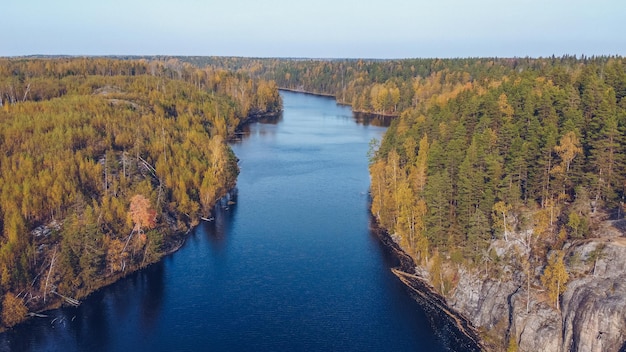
[500, 210]
[13, 310]
[503, 105]
[567, 149]
[379, 96]
[555, 277]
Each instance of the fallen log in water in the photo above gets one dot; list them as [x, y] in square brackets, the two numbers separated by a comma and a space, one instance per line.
[69, 300]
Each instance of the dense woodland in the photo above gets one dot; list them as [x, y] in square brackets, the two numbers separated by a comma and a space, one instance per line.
[115, 156]
[536, 152]
[105, 163]
[484, 151]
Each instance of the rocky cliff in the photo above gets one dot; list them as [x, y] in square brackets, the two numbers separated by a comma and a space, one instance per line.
[513, 312]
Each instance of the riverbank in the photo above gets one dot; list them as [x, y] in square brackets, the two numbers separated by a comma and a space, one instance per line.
[339, 102]
[510, 311]
[173, 242]
[174, 233]
[491, 312]
[307, 92]
[443, 318]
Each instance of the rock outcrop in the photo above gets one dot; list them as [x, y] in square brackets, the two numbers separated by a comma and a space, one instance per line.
[594, 306]
[592, 312]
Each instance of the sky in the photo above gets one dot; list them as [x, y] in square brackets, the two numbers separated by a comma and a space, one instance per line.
[314, 29]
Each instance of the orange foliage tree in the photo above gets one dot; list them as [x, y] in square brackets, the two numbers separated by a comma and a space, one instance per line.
[141, 213]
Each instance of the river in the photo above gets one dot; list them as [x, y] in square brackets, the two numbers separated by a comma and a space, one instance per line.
[288, 264]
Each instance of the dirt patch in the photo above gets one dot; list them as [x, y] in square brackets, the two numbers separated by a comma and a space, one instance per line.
[106, 90]
[135, 106]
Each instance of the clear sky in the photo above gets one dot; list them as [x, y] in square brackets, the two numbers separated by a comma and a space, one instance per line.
[317, 28]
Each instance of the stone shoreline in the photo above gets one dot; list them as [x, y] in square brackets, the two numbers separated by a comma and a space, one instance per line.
[445, 320]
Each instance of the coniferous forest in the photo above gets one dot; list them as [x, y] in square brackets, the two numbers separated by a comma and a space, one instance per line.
[105, 163]
[481, 147]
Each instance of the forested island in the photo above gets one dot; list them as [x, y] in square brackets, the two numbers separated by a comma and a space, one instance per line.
[106, 164]
[503, 179]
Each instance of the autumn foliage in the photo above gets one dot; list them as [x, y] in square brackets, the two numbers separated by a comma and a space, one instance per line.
[13, 310]
[141, 213]
[96, 149]
[554, 277]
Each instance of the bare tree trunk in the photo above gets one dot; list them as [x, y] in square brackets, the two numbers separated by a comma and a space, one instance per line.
[12, 96]
[506, 237]
[128, 240]
[124, 163]
[528, 285]
[26, 92]
[558, 289]
[45, 289]
[106, 177]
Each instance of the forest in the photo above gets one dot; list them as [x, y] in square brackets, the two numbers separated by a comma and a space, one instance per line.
[484, 155]
[105, 165]
[531, 160]
[106, 161]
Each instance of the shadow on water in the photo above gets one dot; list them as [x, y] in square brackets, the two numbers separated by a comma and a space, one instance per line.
[443, 326]
[366, 119]
[87, 327]
[244, 130]
[223, 215]
[152, 296]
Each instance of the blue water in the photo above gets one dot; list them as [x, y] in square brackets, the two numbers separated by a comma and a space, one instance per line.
[290, 266]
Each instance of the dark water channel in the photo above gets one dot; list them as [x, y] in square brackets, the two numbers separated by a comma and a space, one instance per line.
[290, 266]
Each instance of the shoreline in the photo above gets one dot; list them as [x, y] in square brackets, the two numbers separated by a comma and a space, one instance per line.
[431, 301]
[337, 101]
[308, 92]
[175, 242]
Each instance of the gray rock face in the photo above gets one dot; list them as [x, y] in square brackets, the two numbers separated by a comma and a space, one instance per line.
[485, 302]
[537, 330]
[593, 308]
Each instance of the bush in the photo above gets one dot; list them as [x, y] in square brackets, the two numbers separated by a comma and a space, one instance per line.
[13, 310]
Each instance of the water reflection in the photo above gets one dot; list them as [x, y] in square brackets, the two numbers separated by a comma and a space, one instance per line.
[245, 130]
[88, 327]
[360, 118]
[152, 295]
[221, 217]
[367, 119]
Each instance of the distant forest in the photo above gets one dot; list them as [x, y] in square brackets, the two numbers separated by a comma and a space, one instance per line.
[105, 163]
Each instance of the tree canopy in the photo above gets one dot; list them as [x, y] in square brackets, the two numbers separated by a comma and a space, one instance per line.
[94, 150]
